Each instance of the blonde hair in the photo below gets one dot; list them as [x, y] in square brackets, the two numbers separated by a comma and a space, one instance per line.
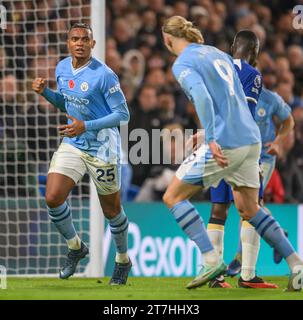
[179, 27]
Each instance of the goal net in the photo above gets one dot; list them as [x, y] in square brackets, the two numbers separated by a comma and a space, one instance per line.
[32, 41]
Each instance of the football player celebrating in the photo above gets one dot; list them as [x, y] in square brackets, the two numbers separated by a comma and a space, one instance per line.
[89, 92]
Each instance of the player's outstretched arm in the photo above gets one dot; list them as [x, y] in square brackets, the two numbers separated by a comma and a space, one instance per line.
[77, 127]
[286, 126]
[55, 98]
[120, 114]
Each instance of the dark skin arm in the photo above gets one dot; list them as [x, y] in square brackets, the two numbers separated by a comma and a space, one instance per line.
[286, 126]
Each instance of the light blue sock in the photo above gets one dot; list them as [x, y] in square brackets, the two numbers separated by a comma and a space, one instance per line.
[270, 230]
[62, 219]
[192, 224]
[119, 231]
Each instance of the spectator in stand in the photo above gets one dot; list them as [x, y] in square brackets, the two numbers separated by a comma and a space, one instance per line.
[134, 67]
[292, 176]
[265, 61]
[149, 32]
[288, 78]
[264, 16]
[298, 148]
[111, 44]
[122, 35]
[181, 8]
[3, 61]
[161, 175]
[285, 91]
[118, 7]
[114, 60]
[274, 191]
[260, 33]
[156, 6]
[156, 77]
[167, 106]
[144, 115]
[295, 57]
[269, 77]
[282, 65]
[17, 169]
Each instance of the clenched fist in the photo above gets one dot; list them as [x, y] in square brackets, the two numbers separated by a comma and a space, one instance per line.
[38, 85]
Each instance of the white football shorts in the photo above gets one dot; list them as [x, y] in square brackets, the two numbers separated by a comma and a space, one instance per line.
[74, 163]
[267, 168]
[200, 168]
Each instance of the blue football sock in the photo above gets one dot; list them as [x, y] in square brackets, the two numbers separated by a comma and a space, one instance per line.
[270, 230]
[192, 224]
[119, 230]
[62, 219]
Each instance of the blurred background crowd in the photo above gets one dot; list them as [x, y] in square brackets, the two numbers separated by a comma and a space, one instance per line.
[34, 42]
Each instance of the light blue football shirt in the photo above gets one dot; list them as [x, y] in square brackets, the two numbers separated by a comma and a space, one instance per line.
[209, 79]
[270, 104]
[92, 93]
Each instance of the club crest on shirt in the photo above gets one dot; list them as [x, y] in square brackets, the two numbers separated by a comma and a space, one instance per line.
[258, 81]
[84, 86]
[261, 112]
[71, 84]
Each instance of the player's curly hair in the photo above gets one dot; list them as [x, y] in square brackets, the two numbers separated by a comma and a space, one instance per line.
[81, 26]
[179, 27]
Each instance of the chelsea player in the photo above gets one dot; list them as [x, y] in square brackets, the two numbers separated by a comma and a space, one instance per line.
[89, 92]
[232, 149]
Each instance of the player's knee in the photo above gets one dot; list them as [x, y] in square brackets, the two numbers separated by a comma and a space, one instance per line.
[244, 215]
[248, 211]
[52, 200]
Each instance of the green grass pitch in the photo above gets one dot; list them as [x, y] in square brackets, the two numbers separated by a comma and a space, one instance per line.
[136, 289]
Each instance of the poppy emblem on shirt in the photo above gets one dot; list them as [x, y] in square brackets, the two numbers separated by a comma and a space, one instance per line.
[84, 86]
[71, 84]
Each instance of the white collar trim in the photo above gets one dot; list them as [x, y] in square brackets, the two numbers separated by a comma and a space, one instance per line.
[238, 62]
[75, 71]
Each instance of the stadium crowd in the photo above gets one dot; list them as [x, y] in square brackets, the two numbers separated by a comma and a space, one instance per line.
[34, 41]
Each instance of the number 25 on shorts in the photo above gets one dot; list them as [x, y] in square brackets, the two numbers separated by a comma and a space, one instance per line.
[106, 175]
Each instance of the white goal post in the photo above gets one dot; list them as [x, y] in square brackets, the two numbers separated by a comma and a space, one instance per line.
[95, 266]
[31, 44]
